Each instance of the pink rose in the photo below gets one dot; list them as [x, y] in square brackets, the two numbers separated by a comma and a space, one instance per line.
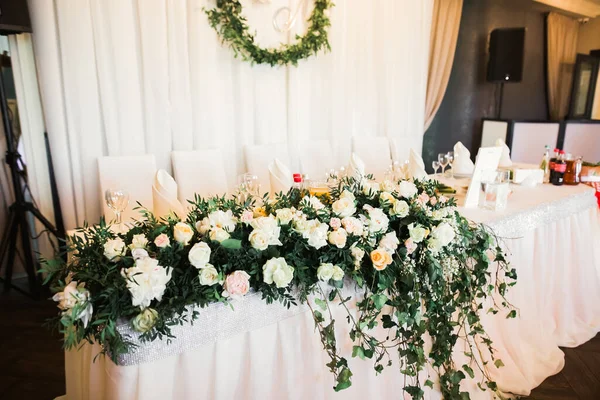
[247, 217]
[236, 284]
[433, 200]
[443, 199]
[162, 241]
[335, 223]
[410, 246]
[423, 198]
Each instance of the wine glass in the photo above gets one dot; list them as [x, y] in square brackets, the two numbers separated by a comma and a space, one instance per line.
[117, 200]
[450, 156]
[435, 165]
[443, 160]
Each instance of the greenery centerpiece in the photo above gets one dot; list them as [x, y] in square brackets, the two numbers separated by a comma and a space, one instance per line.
[227, 19]
[419, 268]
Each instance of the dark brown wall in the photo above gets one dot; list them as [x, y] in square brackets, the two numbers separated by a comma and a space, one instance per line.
[469, 97]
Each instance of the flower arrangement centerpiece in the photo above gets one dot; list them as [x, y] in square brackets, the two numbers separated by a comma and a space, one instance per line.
[418, 267]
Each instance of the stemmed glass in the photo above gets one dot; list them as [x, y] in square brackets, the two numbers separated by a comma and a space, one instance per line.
[435, 165]
[450, 156]
[443, 160]
[248, 184]
[117, 200]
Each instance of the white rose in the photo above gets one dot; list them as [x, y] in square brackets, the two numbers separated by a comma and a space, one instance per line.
[162, 241]
[387, 196]
[138, 242]
[357, 254]
[347, 195]
[208, 275]
[247, 217]
[344, 207]
[400, 208]
[370, 188]
[353, 226]
[284, 216]
[407, 189]
[199, 255]
[259, 239]
[316, 234]
[218, 235]
[314, 202]
[325, 272]
[114, 249]
[269, 232]
[338, 238]
[417, 233]
[301, 225]
[183, 233]
[338, 273]
[434, 245]
[139, 253]
[389, 242]
[277, 271]
[440, 214]
[146, 281]
[75, 294]
[222, 220]
[443, 233]
[377, 221]
[203, 226]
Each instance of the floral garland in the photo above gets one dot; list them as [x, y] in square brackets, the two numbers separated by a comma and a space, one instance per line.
[420, 268]
[233, 30]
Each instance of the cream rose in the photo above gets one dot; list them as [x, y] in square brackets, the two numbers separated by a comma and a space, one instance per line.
[145, 321]
[400, 208]
[338, 273]
[316, 234]
[203, 226]
[338, 238]
[139, 253]
[389, 242]
[208, 275]
[237, 284]
[387, 196]
[114, 249]
[388, 186]
[417, 233]
[162, 241]
[146, 281]
[441, 236]
[325, 272]
[222, 220]
[199, 255]
[410, 246]
[284, 216]
[380, 259]
[138, 242]
[183, 233]
[343, 207]
[247, 217]
[407, 189]
[218, 234]
[353, 226]
[377, 221]
[277, 271]
[346, 194]
[259, 239]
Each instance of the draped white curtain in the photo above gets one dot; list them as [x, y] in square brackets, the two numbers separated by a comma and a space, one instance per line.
[126, 77]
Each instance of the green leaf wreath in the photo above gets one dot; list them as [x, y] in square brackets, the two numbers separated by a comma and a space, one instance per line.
[418, 267]
[226, 18]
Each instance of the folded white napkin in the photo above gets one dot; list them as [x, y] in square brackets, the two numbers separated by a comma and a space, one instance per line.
[416, 166]
[462, 163]
[164, 194]
[281, 177]
[356, 167]
[505, 160]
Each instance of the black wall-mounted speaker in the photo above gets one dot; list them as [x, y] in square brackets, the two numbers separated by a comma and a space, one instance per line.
[507, 50]
[14, 17]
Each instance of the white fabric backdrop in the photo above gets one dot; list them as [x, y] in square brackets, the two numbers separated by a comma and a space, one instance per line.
[126, 77]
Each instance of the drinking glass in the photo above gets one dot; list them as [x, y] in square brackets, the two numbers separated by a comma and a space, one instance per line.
[117, 200]
[496, 189]
[435, 166]
[318, 188]
[443, 160]
[450, 156]
[248, 184]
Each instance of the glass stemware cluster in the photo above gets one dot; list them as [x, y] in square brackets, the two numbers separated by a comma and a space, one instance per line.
[248, 185]
[443, 160]
[117, 200]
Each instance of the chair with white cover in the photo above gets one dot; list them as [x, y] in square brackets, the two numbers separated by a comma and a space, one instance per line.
[164, 194]
[135, 175]
[199, 171]
[375, 152]
[258, 158]
[527, 140]
[316, 158]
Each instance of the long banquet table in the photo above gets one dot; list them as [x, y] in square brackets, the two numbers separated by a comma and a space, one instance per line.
[264, 351]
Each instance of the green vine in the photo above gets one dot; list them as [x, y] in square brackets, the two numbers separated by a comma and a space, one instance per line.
[226, 18]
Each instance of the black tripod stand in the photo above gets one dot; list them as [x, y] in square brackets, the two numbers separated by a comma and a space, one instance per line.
[17, 230]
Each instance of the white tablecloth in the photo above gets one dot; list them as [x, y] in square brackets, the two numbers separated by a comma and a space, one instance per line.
[553, 235]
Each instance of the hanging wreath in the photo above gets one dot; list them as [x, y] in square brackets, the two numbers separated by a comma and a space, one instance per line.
[226, 18]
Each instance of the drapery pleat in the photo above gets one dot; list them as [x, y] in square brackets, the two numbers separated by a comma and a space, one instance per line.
[445, 24]
[127, 77]
[561, 53]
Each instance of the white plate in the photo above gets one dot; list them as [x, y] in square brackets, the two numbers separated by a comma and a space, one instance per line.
[462, 176]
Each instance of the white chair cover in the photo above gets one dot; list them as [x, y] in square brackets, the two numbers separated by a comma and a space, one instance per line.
[280, 177]
[199, 171]
[133, 174]
[258, 158]
[416, 166]
[375, 153]
[164, 193]
[316, 158]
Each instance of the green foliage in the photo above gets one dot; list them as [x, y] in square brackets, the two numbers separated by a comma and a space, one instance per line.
[226, 18]
[436, 292]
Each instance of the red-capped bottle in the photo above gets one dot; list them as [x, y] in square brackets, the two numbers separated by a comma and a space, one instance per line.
[560, 167]
[552, 163]
[297, 182]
